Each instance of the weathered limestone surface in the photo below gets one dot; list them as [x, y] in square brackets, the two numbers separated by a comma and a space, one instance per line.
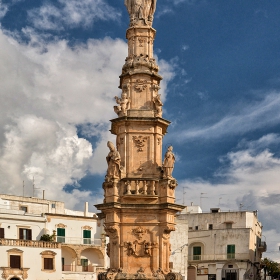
[139, 190]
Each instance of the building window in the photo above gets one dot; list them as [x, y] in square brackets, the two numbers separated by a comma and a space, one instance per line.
[2, 233]
[228, 225]
[25, 234]
[210, 226]
[230, 251]
[196, 253]
[196, 227]
[23, 208]
[53, 205]
[86, 236]
[84, 263]
[15, 261]
[60, 235]
[48, 261]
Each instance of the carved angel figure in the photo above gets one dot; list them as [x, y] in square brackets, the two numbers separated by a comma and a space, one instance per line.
[113, 160]
[141, 10]
[123, 106]
[168, 163]
[158, 105]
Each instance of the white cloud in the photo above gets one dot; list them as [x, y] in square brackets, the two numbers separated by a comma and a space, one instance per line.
[71, 13]
[48, 89]
[249, 180]
[249, 118]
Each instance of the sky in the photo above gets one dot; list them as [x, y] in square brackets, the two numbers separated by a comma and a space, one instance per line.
[220, 63]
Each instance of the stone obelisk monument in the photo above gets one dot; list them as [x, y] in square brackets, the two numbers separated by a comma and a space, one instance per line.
[139, 189]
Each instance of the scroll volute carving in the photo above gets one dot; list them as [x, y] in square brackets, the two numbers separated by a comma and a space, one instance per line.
[168, 229]
[111, 231]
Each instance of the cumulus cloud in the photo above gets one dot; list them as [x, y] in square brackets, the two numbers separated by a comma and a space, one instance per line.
[71, 13]
[249, 180]
[48, 90]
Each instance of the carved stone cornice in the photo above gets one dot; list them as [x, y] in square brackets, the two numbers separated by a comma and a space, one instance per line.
[139, 62]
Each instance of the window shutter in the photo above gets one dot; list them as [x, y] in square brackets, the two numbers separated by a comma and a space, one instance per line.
[29, 234]
[61, 232]
[230, 249]
[2, 233]
[196, 251]
[21, 233]
[48, 263]
[14, 261]
[87, 234]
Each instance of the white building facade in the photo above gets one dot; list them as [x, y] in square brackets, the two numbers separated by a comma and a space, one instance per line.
[222, 245]
[77, 250]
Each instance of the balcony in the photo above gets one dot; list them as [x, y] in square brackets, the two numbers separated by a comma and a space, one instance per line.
[29, 243]
[218, 257]
[79, 241]
[262, 246]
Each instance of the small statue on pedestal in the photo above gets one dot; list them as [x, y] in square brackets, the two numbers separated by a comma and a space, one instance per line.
[168, 163]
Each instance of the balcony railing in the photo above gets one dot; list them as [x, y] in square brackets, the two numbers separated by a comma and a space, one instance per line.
[29, 243]
[77, 240]
[218, 257]
[262, 246]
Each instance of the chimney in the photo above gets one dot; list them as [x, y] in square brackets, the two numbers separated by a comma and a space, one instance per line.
[86, 209]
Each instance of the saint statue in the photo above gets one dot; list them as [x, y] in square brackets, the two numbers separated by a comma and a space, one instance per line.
[141, 10]
[113, 161]
[168, 163]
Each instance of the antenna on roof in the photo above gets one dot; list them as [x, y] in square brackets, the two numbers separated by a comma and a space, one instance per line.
[34, 188]
[201, 196]
[184, 192]
[23, 188]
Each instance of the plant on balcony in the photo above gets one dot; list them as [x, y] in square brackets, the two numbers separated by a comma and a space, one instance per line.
[47, 237]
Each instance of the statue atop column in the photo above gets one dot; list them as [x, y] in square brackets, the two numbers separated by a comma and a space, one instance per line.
[141, 10]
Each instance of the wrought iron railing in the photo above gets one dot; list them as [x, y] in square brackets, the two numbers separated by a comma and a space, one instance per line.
[79, 240]
[219, 257]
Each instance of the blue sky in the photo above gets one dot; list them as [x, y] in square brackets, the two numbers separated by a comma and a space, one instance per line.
[220, 62]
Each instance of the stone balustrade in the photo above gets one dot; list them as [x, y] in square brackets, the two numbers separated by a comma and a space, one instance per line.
[29, 243]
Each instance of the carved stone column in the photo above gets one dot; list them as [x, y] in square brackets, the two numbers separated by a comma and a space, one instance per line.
[139, 190]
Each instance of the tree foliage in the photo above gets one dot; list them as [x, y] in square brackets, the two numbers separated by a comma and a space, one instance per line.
[271, 267]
